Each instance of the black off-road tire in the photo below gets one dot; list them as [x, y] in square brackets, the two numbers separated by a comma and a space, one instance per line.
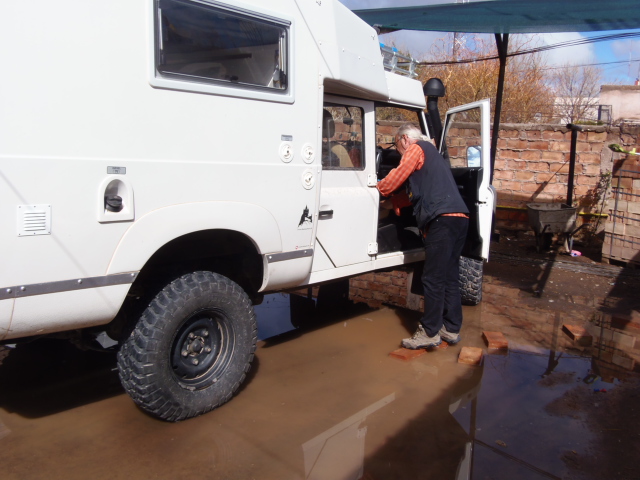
[470, 280]
[191, 348]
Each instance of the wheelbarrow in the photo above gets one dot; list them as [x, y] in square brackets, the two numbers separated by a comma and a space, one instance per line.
[549, 218]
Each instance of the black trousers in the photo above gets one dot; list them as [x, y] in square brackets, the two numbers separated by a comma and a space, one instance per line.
[443, 244]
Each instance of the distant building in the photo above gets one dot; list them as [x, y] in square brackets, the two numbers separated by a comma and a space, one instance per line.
[623, 102]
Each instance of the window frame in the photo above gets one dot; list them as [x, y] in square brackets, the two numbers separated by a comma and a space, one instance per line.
[362, 142]
[190, 84]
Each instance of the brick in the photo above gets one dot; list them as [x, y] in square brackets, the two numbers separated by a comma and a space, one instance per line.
[590, 169]
[622, 361]
[518, 144]
[553, 156]
[503, 174]
[383, 278]
[407, 354]
[495, 340]
[524, 176]
[530, 155]
[538, 166]
[560, 146]
[624, 341]
[538, 145]
[550, 135]
[596, 136]
[534, 134]
[578, 334]
[470, 356]
[593, 158]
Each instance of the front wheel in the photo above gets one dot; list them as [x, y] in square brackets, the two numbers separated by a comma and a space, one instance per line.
[471, 272]
[191, 348]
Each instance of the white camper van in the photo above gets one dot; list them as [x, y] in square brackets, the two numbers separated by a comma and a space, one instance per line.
[164, 163]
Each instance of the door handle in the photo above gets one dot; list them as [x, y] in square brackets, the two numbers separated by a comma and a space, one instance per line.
[326, 213]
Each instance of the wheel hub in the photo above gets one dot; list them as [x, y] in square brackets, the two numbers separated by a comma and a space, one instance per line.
[197, 348]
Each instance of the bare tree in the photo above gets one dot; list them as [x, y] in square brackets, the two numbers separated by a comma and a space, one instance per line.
[577, 89]
[527, 98]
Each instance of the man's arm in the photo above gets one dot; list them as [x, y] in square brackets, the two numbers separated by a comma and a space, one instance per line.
[412, 160]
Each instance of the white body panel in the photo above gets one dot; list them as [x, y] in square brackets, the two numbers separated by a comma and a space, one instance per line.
[84, 114]
[486, 194]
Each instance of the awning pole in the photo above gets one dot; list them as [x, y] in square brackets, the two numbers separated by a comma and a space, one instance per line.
[502, 43]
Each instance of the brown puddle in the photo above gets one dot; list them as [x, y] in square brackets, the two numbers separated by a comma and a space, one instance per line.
[325, 401]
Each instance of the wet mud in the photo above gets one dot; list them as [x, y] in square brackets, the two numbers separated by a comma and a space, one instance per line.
[324, 400]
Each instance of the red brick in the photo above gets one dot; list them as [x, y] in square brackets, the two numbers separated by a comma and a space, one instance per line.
[560, 146]
[553, 156]
[530, 155]
[495, 340]
[518, 144]
[578, 334]
[524, 175]
[550, 135]
[538, 166]
[538, 145]
[407, 354]
[470, 356]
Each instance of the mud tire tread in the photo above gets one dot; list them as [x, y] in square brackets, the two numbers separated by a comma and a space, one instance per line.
[143, 359]
[471, 272]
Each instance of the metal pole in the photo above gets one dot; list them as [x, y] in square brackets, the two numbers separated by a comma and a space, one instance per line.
[572, 161]
[502, 43]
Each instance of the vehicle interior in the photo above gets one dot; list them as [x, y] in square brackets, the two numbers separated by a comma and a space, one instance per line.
[400, 233]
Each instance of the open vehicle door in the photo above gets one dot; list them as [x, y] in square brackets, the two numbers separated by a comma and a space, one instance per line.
[465, 143]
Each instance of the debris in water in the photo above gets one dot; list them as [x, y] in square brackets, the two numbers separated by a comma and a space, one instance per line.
[501, 443]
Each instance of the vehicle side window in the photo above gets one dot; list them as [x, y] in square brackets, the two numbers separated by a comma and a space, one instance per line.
[463, 138]
[202, 43]
[342, 147]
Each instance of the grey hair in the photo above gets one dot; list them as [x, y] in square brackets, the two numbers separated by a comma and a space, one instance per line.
[411, 131]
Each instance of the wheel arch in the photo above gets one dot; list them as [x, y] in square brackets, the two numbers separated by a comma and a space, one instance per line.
[159, 228]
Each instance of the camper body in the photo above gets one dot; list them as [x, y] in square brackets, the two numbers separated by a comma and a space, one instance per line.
[164, 163]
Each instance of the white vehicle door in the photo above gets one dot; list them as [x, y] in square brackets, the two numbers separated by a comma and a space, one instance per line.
[348, 207]
[465, 142]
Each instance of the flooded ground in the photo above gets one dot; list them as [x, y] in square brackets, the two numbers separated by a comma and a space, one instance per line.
[324, 400]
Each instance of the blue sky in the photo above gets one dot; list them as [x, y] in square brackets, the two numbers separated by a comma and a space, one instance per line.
[626, 51]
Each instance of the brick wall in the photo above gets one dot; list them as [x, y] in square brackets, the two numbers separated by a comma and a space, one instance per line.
[622, 228]
[532, 165]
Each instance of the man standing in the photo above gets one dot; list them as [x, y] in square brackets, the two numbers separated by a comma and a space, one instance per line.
[442, 218]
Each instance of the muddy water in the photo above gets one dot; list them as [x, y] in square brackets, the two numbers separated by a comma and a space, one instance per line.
[324, 401]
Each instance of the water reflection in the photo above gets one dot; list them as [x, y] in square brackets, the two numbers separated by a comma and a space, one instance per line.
[326, 403]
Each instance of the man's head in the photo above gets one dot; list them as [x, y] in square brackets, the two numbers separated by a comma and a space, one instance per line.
[407, 135]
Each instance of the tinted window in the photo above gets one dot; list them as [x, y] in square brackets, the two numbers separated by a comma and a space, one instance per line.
[202, 43]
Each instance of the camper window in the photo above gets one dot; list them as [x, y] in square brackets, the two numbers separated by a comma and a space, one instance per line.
[202, 43]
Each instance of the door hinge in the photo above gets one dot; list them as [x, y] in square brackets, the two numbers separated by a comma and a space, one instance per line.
[372, 248]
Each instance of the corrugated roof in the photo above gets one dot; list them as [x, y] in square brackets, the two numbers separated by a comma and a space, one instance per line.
[510, 16]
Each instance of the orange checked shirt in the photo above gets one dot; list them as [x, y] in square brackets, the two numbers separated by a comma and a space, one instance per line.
[412, 160]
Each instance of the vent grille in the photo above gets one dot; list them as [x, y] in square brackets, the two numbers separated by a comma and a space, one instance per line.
[34, 220]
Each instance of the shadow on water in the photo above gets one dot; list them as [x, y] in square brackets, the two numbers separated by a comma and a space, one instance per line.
[48, 376]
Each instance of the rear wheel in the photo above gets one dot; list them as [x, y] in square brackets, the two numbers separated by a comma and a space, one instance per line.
[471, 280]
[191, 348]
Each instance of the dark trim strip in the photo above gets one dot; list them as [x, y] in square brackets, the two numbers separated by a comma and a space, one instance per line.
[66, 285]
[280, 257]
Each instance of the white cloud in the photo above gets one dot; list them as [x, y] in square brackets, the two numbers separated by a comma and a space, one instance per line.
[577, 55]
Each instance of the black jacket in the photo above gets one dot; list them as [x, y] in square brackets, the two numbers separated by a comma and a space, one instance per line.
[432, 189]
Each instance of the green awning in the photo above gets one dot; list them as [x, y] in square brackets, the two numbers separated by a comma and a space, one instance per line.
[510, 16]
